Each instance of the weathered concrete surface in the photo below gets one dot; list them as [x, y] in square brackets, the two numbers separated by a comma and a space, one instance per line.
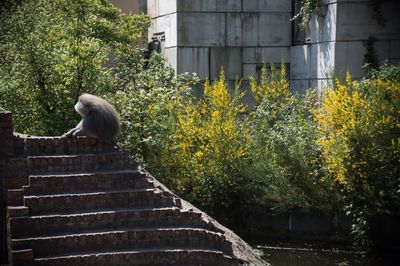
[158, 8]
[394, 49]
[323, 26]
[199, 29]
[168, 25]
[355, 22]
[171, 53]
[299, 85]
[349, 57]
[322, 60]
[300, 59]
[280, 6]
[258, 29]
[263, 32]
[227, 57]
[209, 5]
[266, 54]
[194, 60]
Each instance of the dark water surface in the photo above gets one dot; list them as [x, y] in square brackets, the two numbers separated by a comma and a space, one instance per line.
[286, 256]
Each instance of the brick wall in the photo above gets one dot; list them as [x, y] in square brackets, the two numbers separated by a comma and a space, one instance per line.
[6, 149]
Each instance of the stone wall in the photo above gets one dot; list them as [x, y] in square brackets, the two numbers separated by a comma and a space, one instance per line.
[337, 42]
[238, 35]
[261, 225]
[6, 148]
[77, 195]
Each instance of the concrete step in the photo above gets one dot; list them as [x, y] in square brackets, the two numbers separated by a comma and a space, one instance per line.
[17, 183]
[129, 198]
[162, 256]
[65, 146]
[79, 163]
[14, 197]
[128, 238]
[86, 182]
[46, 225]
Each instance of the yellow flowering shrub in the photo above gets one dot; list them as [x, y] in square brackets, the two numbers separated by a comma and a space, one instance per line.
[273, 84]
[360, 136]
[208, 140]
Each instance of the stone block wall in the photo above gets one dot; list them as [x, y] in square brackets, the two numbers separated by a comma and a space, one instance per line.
[6, 148]
[337, 42]
[240, 35]
[203, 36]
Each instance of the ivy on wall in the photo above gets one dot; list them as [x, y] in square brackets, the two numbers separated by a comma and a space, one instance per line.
[310, 7]
[376, 6]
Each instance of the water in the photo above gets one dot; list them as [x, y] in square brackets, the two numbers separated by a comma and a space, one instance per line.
[286, 256]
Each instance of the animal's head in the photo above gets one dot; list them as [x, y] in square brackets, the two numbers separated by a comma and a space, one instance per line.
[84, 104]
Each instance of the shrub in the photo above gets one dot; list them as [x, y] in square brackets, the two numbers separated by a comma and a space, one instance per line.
[148, 94]
[360, 139]
[285, 154]
[53, 51]
[207, 145]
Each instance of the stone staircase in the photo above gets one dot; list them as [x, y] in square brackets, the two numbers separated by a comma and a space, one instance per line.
[88, 203]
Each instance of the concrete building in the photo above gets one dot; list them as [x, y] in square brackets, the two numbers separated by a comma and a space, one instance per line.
[129, 6]
[240, 35]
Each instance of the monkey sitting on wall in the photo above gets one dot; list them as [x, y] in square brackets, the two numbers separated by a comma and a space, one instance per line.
[99, 119]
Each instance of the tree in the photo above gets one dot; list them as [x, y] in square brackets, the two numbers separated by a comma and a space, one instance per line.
[53, 51]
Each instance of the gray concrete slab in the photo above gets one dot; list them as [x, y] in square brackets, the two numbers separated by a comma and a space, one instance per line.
[278, 6]
[194, 60]
[200, 29]
[258, 29]
[323, 25]
[228, 58]
[349, 56]
[355, 21]
[168, 25]
[299, 85]
[300, 60]
[172, 56]
[209, 5]
[157, 8]
[322, 60]
[395, 49]
[266, 54]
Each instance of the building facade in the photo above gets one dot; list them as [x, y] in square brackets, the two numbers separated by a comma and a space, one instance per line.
[240, 35]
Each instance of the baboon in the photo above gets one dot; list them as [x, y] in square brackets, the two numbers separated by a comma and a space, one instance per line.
[99, 119]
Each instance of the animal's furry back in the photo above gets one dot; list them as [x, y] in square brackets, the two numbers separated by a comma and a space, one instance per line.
[102, 120]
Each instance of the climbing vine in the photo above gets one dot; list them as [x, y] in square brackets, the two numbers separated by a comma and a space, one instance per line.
[307, 9]
[377, 15]
[371, 58]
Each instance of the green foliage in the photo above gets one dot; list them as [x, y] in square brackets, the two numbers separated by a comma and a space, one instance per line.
[53, 51]
[371, 58]
[307, 9]
[360, 138]
[207, 145]
[148, 93]
[377, 15]
[285, 154]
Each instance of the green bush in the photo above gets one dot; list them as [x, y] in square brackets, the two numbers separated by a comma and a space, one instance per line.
[53, 51]
[207, 148]
[360, 140]
[147, 97]
[285, 154]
